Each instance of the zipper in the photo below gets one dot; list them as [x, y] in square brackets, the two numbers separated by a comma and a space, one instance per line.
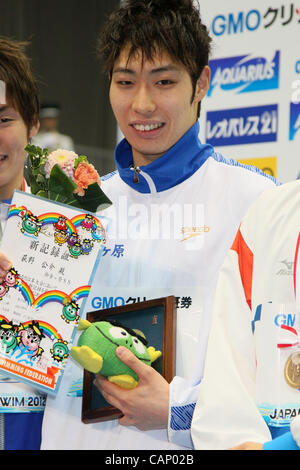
[136, 178]
[136, 171]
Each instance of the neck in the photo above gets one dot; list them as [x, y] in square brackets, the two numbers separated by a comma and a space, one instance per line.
[6, 192]
[142, 160]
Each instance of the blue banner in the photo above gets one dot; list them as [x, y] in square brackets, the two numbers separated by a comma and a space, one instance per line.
[239, 126]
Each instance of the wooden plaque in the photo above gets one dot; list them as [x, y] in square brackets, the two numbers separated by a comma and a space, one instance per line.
[157, 320]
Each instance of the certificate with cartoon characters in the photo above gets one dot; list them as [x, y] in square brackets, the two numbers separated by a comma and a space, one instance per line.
[55, 250]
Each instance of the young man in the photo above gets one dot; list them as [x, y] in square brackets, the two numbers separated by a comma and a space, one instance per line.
[19, 108]
[176, 207]
[254, 344]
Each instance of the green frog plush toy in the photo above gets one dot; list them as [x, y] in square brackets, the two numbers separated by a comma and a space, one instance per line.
[96, 351]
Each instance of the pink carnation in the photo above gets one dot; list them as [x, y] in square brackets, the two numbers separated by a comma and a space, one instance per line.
[84, 175]
[64, 158]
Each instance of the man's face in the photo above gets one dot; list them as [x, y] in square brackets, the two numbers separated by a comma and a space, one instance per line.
[13, 139]
[152, 103]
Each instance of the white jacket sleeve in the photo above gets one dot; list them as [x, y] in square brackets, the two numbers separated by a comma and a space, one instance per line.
[226, 414]
[183, 397]
[295, 429]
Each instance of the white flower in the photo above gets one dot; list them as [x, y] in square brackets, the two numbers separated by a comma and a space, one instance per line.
[64, 158]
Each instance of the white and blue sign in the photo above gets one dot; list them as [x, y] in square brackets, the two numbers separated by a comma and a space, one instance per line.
[244, 73]
[294, 120]
[239, 126]
[239, 22]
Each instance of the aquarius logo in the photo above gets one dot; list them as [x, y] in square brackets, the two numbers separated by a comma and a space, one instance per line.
[294, 120]
[244, 73]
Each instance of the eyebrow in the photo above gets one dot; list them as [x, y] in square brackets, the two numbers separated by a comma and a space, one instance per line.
[6, 108]
[165, 68]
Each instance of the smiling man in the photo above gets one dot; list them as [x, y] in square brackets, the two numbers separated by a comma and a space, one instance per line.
[19, 107]
[14, 135]
[177, 205]
[154, 102]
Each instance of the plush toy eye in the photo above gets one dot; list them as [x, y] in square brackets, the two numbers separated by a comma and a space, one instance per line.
[117, 332]
[140, 348]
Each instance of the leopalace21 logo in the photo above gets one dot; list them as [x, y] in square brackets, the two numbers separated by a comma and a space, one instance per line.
[255, 124]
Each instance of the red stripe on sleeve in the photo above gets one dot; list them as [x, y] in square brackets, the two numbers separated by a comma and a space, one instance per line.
[245, 257]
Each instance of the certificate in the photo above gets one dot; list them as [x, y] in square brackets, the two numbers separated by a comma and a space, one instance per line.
[55, 250]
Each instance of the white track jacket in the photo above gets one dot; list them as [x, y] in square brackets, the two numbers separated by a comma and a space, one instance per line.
[250, 389]
[169, 235]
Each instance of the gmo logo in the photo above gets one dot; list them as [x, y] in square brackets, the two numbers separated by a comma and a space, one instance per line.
[236, 23]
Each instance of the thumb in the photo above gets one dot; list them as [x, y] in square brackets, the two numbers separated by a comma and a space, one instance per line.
[131, 360]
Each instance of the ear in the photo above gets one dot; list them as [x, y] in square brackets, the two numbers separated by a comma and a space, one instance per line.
[202, 84]
[34, 130]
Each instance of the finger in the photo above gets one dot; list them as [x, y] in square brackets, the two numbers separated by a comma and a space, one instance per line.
[108, 390]
[132, 361]
[105, 386]
[2, 274]
[99, 381]
[5, 264]
[127, 421]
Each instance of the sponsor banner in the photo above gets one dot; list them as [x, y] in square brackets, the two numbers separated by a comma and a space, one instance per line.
[45, 379]
[267, 164]
[244, 73]
[255, 61]
[294, 120]
[239, 126]
[266, 17]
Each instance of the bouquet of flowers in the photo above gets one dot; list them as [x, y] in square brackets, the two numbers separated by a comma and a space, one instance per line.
[65, 177]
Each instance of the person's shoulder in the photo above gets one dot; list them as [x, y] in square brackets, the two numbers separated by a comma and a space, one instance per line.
[280, 195]
[276, 208]
[109, 181]
[238, 171]
[109, 177]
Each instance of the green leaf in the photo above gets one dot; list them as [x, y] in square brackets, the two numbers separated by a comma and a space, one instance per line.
[41, 179]
[60, 183]
[94, 199]
[80, 159]
[35, 151]
[42, 194]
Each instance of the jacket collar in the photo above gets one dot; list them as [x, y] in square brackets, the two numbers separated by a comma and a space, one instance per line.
[176, 165]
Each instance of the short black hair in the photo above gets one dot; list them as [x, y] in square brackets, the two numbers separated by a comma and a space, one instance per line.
[154, 26]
